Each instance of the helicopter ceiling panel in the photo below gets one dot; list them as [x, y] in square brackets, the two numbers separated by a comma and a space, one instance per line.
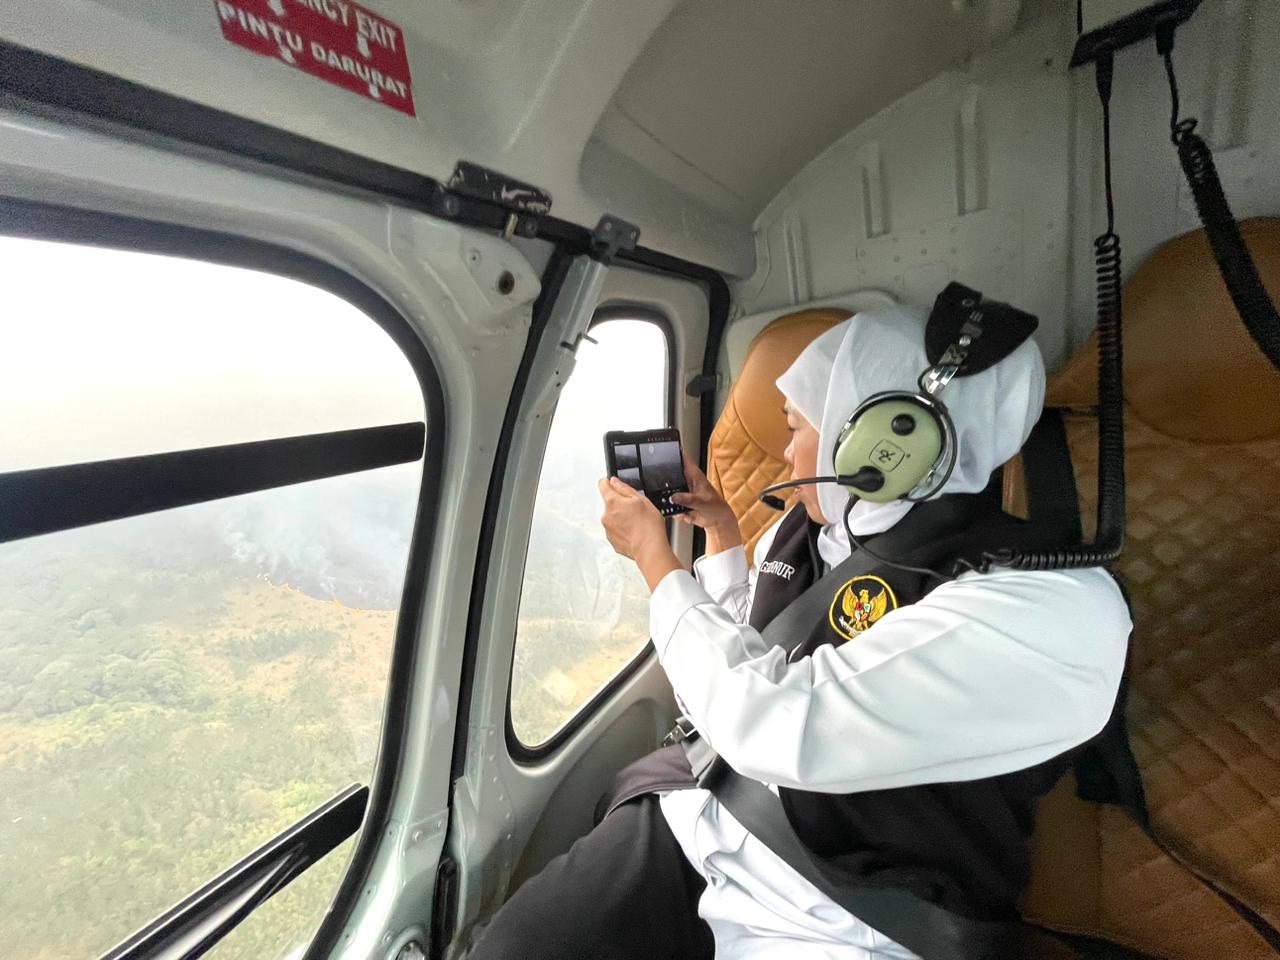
[684, 117]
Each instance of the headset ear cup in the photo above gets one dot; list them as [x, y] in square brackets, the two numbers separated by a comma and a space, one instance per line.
[902, 435]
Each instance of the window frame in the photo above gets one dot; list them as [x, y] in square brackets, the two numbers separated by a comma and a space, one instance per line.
[529, 754]
[39, 220]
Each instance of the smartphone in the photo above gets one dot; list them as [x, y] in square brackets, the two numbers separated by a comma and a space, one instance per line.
[650, 461]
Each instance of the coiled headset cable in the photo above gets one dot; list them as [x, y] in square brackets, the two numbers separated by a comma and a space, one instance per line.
[1235, 262]
[1109, 539]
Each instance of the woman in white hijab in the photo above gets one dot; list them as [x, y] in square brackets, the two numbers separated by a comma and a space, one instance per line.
[984, 677]
[987, 674]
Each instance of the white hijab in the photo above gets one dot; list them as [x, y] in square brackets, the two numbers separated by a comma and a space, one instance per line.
[883, 349]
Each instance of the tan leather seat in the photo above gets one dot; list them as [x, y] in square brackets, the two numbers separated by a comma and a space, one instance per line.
[1202, 565]
[744, 454]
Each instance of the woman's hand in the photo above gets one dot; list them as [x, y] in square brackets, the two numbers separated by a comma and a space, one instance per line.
[635, 529]
[707, 509]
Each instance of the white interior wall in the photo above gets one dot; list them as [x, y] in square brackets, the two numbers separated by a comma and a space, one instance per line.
[991, 175]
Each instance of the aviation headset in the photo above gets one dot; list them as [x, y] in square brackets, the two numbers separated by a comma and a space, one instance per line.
[901, 444]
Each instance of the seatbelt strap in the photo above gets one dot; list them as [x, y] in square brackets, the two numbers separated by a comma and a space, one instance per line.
[926, 929]
[1050, 478]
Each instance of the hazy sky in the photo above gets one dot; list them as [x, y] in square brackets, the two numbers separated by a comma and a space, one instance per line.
[107, 353]
[618, 384]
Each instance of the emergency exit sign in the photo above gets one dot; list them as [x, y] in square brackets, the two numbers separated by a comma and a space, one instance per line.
[337, 41]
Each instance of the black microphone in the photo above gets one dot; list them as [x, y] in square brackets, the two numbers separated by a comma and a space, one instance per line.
[868, 480]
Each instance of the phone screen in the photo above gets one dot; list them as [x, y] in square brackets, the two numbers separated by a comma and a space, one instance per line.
[662, 467]
[652, 465]
[626, 457]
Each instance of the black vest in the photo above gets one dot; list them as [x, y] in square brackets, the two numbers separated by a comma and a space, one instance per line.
[961, 845]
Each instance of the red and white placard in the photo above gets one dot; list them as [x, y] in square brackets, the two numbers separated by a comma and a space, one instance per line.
[337, 41]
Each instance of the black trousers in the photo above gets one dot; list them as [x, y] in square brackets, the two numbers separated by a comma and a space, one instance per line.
[623, 892]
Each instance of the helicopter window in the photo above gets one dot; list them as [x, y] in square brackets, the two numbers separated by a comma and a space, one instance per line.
[178, 687]
[583, 614]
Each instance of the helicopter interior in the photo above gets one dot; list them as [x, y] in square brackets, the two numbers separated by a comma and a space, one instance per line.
[555, 218]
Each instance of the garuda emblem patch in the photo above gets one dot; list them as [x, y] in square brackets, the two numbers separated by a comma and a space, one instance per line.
[860, 603]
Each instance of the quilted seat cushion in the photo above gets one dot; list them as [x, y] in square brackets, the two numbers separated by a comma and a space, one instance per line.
[1095, 873]
[739, 469]
[1203, 713]
[1202, 566]
[745, 451]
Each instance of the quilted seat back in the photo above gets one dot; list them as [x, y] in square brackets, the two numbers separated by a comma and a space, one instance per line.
[744, 454]
[1202, 566]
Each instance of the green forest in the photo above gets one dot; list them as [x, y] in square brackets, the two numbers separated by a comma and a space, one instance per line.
[165, 708]
[583, 615]
[176, 689]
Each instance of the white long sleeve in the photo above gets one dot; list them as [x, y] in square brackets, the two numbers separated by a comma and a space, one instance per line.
[985, 675]
[727, 581]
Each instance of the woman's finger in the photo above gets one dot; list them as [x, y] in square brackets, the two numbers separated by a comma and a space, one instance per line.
[612, 486]
[693, 498]
[693, 474]
[624, 489]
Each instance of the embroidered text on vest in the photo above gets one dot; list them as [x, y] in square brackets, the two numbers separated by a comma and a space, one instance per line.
[778, 569]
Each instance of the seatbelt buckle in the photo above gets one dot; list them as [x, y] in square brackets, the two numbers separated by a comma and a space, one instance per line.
[682, 731]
